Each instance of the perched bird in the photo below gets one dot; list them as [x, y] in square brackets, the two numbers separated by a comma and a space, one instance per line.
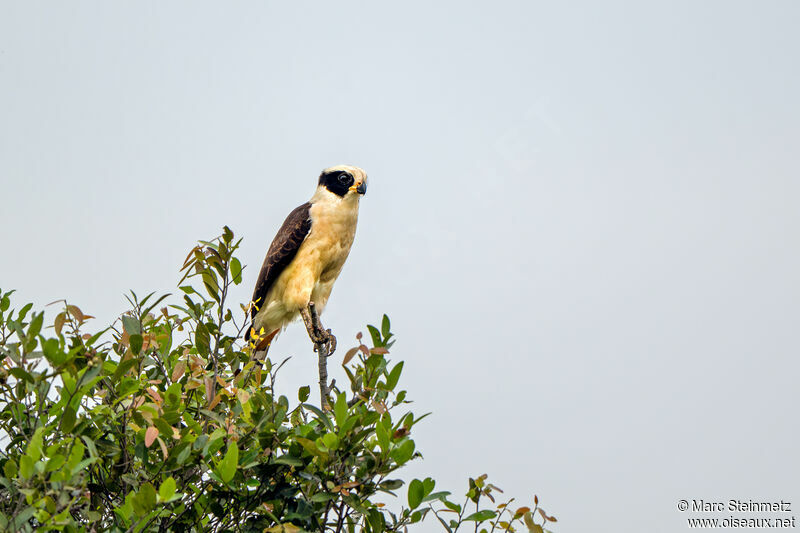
[307, 255]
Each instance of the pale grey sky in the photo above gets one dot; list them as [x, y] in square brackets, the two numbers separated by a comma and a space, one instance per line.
[582, 217]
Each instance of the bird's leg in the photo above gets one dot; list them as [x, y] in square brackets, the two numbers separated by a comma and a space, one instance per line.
[316, 332]
[312, 326]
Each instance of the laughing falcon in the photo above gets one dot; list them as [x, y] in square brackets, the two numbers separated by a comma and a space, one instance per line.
[307, 254]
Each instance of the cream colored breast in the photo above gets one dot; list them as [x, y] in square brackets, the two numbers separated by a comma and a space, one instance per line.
[333, 229]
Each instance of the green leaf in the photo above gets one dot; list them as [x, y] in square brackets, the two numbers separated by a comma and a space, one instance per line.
[310, 446]
[90, 445]
[382, 433]
[320, 415]
[391, 484]
[167, 489]
[394, 376]
[23, 312]
[210, 283]
[376, 520]
[436, 496]
[10, 469]
[236, 271]
[303, 393]
[70, 385]
[200, 442]
[228, 464]
[385, 327]
[481, 516]
[21, 518]
[36, 325]
[26, 466]
[136, 502]
[125, 510]
[136, 343]
[403, 453]
[289, 460]
[415, 493]
[330, 440]
[52, 353]
[323, 497]
[376, 335]
[183, 455]
[452, 506]
[34, 449]
[19, 373]
[163, 427]
[202, 339]
[68, 419]
[173, 394]
[55, 462]
[340, 410]
[227, 233]
[75, 456]
[131, 325]
[147, 496]
[83, 464]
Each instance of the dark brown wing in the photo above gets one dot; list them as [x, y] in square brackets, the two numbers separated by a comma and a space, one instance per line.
[281, 252]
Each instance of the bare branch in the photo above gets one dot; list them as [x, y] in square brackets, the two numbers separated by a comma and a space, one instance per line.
[324, 344]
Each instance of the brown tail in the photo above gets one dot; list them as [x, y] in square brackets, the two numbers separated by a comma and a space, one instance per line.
[264, 343]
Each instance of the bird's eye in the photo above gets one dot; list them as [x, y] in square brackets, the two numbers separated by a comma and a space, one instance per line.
[344, 179]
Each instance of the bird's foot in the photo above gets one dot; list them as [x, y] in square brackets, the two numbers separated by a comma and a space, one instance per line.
[316, 331]
[324, 337]
[318, 336]
[331, 343]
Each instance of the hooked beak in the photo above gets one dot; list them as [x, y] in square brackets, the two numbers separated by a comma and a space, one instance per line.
[361, 188]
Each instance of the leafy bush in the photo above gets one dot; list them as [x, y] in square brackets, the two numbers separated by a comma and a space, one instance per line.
[166, 422]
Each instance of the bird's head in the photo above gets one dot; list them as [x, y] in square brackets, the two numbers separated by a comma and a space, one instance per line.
[344, 181]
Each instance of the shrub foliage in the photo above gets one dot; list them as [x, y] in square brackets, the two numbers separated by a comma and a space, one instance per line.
[166, 422]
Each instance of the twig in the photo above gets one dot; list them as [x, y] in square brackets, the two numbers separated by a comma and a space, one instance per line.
[324, 345]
